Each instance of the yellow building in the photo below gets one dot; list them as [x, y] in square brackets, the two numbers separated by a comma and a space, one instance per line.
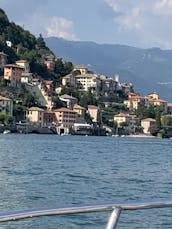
[134, 101]
[153, 95]
[35, 115]
[122, 118]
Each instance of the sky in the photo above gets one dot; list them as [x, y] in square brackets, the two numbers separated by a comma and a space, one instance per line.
[139, 23]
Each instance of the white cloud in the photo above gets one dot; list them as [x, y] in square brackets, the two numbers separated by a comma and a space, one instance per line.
[60, 27]
[149, 20]
[131, 21]
[50, 26]
[163, 7]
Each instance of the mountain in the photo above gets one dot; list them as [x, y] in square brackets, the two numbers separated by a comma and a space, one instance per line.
[147, 69]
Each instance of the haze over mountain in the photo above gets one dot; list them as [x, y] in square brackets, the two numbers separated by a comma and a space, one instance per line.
[147, 69]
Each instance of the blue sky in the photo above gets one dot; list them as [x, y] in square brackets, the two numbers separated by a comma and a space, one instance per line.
[141, 23]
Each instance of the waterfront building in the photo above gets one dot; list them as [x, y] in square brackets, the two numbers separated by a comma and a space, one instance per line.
[35, 115]
[65, 117]
[49, 118]
[6, 105]
[93, 111]
[122, 118]
[146, 124]
[80, 113]
[13, 73]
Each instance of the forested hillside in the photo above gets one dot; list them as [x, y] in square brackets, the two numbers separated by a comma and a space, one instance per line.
[26, 46]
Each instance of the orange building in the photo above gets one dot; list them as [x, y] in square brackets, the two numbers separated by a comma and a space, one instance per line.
[65, 117]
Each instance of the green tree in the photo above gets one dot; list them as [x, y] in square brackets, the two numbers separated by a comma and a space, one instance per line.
[166, 121]
[5, 118]
[40, 42]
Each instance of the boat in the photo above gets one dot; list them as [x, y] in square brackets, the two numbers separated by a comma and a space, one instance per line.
[6, 132]
[114, 208]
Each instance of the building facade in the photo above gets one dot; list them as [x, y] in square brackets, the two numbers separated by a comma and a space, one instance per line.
[13, 74]
[93, 111]
[35, 115]
[24, 64]
[65, 117]
[6, 105]
[146, 124]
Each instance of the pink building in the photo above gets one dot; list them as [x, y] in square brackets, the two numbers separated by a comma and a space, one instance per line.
[13, 73]
[65, 117]
[93, 111]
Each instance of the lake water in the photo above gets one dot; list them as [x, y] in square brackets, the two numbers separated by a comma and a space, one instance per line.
[53, 171]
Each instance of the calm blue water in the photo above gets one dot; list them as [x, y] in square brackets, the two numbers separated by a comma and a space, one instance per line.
[54, 171]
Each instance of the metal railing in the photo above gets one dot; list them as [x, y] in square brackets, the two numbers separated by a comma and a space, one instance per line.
[116, 209]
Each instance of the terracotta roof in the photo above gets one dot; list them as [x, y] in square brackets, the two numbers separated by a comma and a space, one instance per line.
[4, 98]
[160, 100]
[149, 120]
[92, 107]
[67, 76]
[76, 106]
[13, 66]
[64, 109]
[136, 97]
[122, 115]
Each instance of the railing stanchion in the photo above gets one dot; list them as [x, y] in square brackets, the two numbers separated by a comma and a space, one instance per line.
[113, 220]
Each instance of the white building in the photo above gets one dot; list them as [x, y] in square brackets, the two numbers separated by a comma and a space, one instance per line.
[86, 82]
[146, 124]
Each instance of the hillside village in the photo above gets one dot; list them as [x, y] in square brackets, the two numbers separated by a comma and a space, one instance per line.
[115, 107]
[48, 95]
